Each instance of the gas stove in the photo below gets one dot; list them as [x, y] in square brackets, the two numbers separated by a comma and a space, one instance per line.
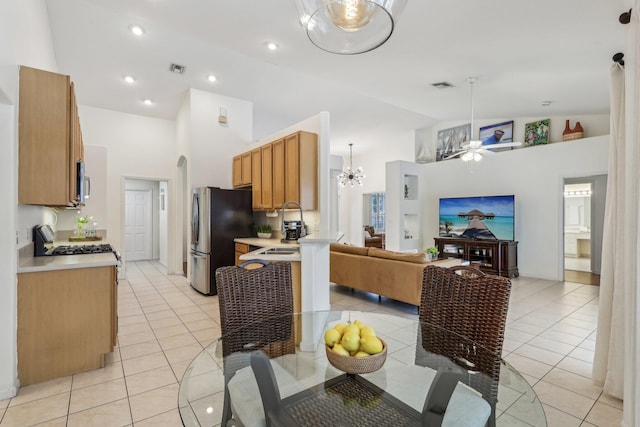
[80, 249]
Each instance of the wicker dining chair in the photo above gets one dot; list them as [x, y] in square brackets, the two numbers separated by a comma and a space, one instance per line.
[245, 297]
[462, 301]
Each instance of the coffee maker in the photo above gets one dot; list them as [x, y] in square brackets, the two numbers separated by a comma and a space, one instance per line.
[293, 230]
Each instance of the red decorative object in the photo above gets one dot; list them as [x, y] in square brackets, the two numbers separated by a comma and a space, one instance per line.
[570, 134]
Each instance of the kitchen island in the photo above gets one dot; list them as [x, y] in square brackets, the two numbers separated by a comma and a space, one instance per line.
[67, 314]
[313, 283]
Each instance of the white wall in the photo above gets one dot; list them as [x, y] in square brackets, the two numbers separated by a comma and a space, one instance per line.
[535, 175]
[137, 147]
[373, 165]
[213, 144]
[33, 47]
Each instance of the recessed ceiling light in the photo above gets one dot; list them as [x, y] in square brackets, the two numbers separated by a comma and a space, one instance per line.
[442, 85]
[211, 78]
[136, 29]
[271, 45]
[129, 79]
[148, 102]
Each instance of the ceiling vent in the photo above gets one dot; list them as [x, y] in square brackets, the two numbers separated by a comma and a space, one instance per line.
[175, 68]
[442, 85]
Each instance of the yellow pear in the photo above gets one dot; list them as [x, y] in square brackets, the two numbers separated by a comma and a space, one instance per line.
[340, 327]
[351, 341]
[351, 328]
[371, 345]
[331, 337]
[338, 348]
[367, 331]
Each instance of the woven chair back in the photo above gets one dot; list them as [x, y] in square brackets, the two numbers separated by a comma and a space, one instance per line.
[248, 296]
[464, 301]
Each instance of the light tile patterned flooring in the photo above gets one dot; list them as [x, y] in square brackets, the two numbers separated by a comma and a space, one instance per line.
[164, 323]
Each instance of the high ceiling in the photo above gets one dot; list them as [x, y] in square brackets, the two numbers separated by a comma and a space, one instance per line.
[522, 52]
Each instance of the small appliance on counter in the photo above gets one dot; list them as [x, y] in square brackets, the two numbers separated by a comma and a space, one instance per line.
[292, 230]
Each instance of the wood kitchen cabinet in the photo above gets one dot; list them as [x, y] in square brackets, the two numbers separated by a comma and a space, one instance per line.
[241, 249]
[266, 177]
[67, 321]
[278, 174]
[49, 139]
[256, 178]
[242, 175]
[301, 169]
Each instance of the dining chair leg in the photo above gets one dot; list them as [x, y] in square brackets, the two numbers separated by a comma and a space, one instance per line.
[226, 407]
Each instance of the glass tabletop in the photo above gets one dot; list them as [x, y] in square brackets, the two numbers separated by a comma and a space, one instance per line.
[418, 359]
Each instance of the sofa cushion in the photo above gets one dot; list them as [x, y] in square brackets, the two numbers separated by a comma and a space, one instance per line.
[419, 258]
[348, 249]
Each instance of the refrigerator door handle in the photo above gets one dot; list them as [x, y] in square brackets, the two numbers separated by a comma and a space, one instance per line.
[195, 220]
[198, 256]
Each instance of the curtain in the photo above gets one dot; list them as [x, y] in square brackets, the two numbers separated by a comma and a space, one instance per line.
[616, 365]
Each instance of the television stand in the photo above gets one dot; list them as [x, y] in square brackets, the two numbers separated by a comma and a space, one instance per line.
[498, 257]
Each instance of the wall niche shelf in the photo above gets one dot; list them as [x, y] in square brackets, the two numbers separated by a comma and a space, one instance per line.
[403, 213]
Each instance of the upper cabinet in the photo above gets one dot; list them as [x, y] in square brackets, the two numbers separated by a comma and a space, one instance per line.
[301, 169]
[285, 170]
[242, 170]
[50, 146]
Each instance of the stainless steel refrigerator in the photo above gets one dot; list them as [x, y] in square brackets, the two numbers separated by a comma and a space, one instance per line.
[217, 217]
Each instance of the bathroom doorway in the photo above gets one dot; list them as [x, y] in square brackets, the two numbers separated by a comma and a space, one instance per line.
[584, 200]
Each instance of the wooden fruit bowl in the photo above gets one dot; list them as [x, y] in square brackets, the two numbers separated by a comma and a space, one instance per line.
[357, 365]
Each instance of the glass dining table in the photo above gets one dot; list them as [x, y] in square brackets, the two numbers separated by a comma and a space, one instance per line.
[310, 391]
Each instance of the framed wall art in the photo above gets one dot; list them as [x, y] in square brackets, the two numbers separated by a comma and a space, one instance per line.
[536, 133]
[451, 141]
[497, 133]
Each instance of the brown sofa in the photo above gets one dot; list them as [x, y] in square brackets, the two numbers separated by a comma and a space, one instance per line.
[391, 274]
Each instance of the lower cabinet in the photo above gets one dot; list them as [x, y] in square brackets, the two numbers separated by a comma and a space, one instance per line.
[241, 249]
[67, 321]
[499, 257]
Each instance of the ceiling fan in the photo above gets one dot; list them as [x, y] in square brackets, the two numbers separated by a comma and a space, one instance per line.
[475, 149]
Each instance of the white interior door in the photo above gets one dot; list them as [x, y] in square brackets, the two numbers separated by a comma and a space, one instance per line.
[137, 225]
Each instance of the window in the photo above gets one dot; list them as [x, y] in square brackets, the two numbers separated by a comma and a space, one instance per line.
[376, 211]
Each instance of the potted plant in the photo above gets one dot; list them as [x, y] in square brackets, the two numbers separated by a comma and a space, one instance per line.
[432, 253]
[264, 231]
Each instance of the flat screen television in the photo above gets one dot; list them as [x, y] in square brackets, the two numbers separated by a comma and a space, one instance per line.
[488, 217]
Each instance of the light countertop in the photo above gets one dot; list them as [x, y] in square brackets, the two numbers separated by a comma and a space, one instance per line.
[65, 262]
[27, 263]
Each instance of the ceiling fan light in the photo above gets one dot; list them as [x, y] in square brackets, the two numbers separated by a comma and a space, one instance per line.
[477, 157]
[467, 156]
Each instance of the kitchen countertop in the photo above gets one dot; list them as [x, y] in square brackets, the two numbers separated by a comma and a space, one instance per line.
[27, 263]
[264, 243]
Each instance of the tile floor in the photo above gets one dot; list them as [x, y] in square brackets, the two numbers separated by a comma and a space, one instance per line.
[164, 323]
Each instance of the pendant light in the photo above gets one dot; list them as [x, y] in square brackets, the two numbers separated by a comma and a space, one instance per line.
[348, 27]
[351, 176]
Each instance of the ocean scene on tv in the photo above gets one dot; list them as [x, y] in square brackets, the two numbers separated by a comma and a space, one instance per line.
[490, 217]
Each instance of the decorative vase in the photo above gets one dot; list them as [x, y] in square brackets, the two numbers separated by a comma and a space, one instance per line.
[264, 235]
[569, 134]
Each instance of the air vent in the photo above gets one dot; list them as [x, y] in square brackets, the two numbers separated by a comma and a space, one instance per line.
[442, 85]
[175, 68]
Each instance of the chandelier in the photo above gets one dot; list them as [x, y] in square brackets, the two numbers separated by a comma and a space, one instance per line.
[348, 27]
[351, 176]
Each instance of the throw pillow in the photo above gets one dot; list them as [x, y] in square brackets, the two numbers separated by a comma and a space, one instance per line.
[419, 258]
